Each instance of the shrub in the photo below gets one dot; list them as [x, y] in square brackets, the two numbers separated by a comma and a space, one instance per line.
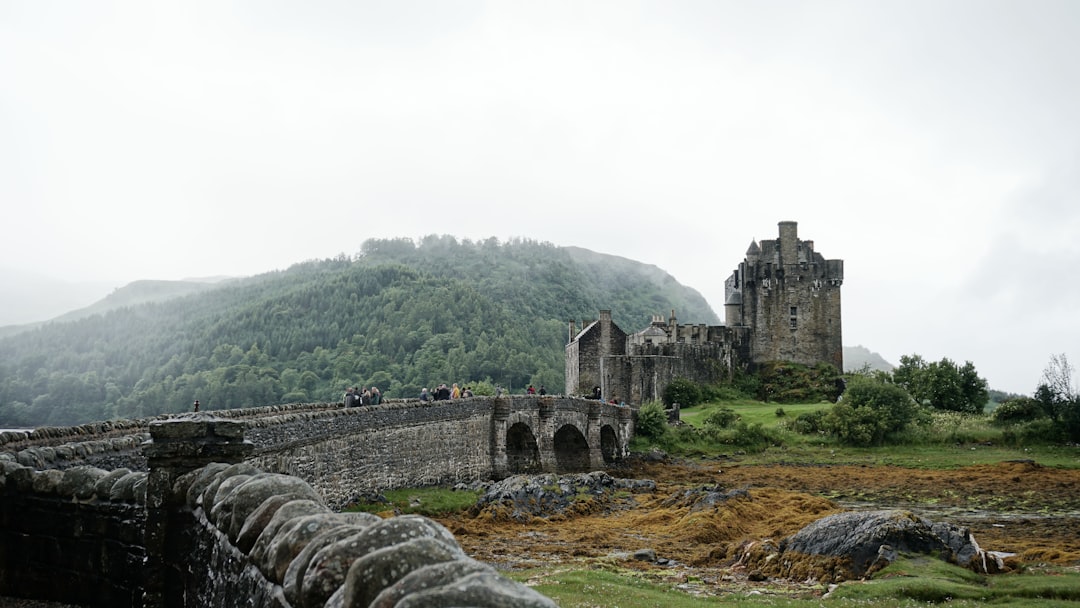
[682, 391]
[755, 437]
[724, 392]
[651, 420]
[721, 417]
[809, 423]
[1013, 411]
[786, 382]
[871, 411]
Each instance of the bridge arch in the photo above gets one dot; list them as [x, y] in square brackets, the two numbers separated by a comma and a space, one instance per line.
[609, 444]
[522, 449]
[571, 449]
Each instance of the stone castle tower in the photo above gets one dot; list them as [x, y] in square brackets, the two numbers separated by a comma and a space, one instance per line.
[790, 296]
[782, 303]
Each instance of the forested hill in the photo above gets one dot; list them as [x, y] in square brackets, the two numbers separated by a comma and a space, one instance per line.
[400, 315]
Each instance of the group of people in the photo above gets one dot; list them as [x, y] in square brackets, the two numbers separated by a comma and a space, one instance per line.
[355, 397]
[445, 393]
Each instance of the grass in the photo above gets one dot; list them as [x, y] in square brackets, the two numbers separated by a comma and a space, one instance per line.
[951, 441]
[905, 583]
[430, 502]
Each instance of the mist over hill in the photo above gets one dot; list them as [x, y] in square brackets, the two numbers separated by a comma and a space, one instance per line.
[400, 315]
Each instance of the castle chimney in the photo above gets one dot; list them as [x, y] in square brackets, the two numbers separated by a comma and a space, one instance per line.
[789, 238]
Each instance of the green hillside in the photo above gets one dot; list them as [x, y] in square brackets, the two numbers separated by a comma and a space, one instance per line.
[400, 315]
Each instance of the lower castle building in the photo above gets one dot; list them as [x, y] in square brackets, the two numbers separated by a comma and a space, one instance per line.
[782, 303]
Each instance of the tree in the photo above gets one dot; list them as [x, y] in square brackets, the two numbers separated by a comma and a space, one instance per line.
[1058, 397]
[870, 412]
[942, 385]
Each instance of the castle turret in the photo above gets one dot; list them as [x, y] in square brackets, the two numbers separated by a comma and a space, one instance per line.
[789, 239]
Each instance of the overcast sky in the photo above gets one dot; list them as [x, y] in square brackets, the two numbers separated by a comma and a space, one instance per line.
[933, 146]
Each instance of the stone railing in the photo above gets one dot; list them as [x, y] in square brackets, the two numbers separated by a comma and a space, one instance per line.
[205, 528]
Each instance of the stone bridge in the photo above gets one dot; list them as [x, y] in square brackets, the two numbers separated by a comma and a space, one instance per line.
[154, 512]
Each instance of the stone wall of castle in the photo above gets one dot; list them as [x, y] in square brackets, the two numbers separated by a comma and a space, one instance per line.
[790, 296]
[782, 304]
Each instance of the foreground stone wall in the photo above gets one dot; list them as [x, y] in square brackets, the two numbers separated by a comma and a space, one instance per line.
[72, 536]
[268, 540]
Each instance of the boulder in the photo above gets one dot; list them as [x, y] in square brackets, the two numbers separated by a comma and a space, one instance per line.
[857, 543]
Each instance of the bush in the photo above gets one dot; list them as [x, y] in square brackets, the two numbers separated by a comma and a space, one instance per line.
[810, 423]
[786, 382]
[651, 420]
[754, 437]
[722, 417]
[1013, 411]
[682, 391]
[870, 412]
[725, 392]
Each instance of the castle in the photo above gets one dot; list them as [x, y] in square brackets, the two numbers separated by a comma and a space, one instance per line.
[782, 303]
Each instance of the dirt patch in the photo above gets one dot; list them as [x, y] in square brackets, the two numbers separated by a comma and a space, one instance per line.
[1016, 507]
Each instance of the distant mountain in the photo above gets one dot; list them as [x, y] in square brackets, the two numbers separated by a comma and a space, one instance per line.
[857, 357]
[28, 298]
[141, 292]
[401, 315]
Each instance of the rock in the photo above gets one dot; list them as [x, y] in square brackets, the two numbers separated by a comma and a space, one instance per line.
[527, 496]
[645, 555]
[866, 541]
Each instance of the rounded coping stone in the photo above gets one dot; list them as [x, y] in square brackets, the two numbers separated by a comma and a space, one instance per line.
[285, 513]
[216, 506]
[247, 498]
[479, 590]
[209, 495]
[200, 480]
[381, 568]
[428, 577]
[80, 481]
[47, 481]
[294, 536]
[103, 487]
[294, 575]
[330, 565]
[124, 488]
[258, 520]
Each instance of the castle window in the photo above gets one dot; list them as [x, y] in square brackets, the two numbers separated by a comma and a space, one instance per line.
[794, 323]
[794, 311]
